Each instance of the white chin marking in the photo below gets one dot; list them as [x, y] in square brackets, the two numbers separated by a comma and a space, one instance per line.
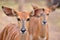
[31, 38]
[42, 38]
[24, 32]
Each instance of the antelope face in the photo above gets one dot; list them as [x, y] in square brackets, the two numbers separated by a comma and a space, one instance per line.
[22, 17]
[43, 12]
[40, 13]
[39, 17]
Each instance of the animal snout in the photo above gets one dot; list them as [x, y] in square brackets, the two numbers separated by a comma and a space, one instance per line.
[44, 22]
[23, 30]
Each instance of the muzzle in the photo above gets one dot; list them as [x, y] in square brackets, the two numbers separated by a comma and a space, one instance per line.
[44, 22]
[23, 30]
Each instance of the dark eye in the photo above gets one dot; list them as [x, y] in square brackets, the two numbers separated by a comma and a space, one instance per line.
[28, 19]
[47, 14]
[18, 19]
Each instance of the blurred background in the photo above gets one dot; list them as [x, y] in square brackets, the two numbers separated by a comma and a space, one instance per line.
[53, 20]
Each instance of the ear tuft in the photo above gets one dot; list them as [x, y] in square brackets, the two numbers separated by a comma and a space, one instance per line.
[2, 6]
[43, 9]
[35, 6]
[8, 11]
[31, 13]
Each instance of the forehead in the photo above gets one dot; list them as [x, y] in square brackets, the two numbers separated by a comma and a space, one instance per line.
[39, 10]
[23, 15]
[44, 10]
[47, 10]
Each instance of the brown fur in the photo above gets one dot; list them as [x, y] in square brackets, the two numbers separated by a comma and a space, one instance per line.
[12, 31]
[36, 28]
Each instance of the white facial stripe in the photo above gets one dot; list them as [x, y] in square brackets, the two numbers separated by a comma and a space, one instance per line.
[44, 15]
[23, 23]
[23, 29]
[44, 19]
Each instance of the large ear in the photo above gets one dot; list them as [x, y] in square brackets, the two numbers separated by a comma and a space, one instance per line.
[35, 6]
[53, 7]
[8, 11]
[36, 10]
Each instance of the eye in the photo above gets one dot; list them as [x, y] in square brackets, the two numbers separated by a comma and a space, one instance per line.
[28, 19]
[47, 14]
[18, 19]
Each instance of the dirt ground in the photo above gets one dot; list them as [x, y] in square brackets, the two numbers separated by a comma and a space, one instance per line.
[53, 21]
[54, 25]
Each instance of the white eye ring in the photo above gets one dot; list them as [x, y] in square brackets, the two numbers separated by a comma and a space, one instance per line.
[18, 16]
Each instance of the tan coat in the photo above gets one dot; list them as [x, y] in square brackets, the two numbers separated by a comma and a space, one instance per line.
[12, 32]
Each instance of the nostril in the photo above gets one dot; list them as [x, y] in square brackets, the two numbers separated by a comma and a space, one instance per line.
[23, 30]
[44, 22]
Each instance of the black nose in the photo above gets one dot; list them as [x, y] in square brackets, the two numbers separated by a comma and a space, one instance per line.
[44, 22]
[23, 30]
